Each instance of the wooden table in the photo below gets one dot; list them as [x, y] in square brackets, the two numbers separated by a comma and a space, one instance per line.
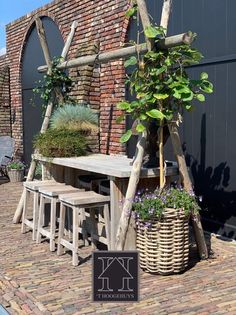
[118, 170]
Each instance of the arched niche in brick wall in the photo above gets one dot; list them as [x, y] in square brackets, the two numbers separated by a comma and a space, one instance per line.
[32, 57]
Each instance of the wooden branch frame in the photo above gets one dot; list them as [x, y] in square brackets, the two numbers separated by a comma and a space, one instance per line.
[168, 42]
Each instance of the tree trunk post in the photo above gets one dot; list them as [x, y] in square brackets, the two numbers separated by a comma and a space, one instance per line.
[33, 164]
[183, 170]
[136, 168]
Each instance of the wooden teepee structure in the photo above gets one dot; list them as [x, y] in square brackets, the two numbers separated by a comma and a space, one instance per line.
[166, 43]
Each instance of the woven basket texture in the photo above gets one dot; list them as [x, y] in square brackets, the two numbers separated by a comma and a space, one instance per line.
[15, 175]
[163, 244]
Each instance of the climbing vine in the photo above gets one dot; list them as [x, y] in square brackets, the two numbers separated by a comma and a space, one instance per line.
[52, 84]
[161, 83]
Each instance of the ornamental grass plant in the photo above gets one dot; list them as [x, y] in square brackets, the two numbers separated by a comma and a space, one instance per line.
[72, 117]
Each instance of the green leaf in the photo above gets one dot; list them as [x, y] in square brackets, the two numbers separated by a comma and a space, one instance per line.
[177, 94]
[188, 107]
[123, 105]
[120, 119]
[168, 114]
[151, 32]
[130, 12]
[143, 117]
[161, 96]
[126, 136]
[155, 113]
[201, 97]
[204, 76]
[186, 97]
[161, 70]
[140, 127]
[130, 62]
[207, 87]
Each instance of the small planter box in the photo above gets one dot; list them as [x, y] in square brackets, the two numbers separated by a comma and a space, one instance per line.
[15, 175]
[164, 244]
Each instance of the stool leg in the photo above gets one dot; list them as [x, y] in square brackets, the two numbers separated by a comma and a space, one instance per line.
[83, 226]
[40, 219]
[24, 214]
[61, 228]
[107, 224]
[53, 224]
[75, 259]
[93, 232]
[35, 214]
[69, 214]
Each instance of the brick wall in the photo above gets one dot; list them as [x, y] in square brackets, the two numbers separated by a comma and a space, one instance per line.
[5, 112]
[101, 21]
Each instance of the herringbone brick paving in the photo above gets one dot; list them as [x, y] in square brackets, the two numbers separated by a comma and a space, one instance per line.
[35, 281]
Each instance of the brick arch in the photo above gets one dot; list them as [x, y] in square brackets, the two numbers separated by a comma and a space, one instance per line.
[17, 99]
[31, 58]
[31, 26]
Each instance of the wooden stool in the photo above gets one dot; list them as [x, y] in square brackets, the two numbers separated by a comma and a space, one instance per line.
[50, 193]
[79, 202]
[90, 182]
[32, 187]
[104, 187]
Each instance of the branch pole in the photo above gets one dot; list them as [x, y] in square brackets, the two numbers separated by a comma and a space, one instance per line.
[45, 124]
[44, 45]
[168, 42]
[138, 160]
[69, 40]
[166, 12]
[130, 193]
[183, 170]
[165, 16]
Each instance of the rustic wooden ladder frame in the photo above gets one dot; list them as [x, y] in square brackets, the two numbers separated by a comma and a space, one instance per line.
[168, 42]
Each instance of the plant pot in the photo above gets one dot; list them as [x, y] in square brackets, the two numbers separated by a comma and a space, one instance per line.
[164, 244]
[15, 175]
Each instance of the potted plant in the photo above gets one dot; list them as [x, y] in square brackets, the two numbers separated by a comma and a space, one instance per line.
[15, 171]
[162, 229]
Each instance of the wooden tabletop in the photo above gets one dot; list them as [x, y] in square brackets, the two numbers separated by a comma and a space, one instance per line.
[110, 165]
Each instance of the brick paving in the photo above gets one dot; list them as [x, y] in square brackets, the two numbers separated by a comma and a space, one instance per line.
[35, 281]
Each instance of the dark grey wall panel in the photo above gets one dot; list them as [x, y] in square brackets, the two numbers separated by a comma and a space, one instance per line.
[208, 134]
[32, 58]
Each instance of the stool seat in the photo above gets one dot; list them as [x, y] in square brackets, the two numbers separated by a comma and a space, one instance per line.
[84, 198]
[35, 185]
[54, 191]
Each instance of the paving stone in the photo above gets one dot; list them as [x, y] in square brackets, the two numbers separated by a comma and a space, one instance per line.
[36, 281]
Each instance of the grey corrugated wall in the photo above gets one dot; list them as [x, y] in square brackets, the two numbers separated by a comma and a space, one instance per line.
[208, 134]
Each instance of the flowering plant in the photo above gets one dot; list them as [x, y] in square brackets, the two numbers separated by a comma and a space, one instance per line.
[15, 165]
[148, 205]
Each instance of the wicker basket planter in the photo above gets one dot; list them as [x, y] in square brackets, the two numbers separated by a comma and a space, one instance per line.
[15, 175]
[164, 244]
